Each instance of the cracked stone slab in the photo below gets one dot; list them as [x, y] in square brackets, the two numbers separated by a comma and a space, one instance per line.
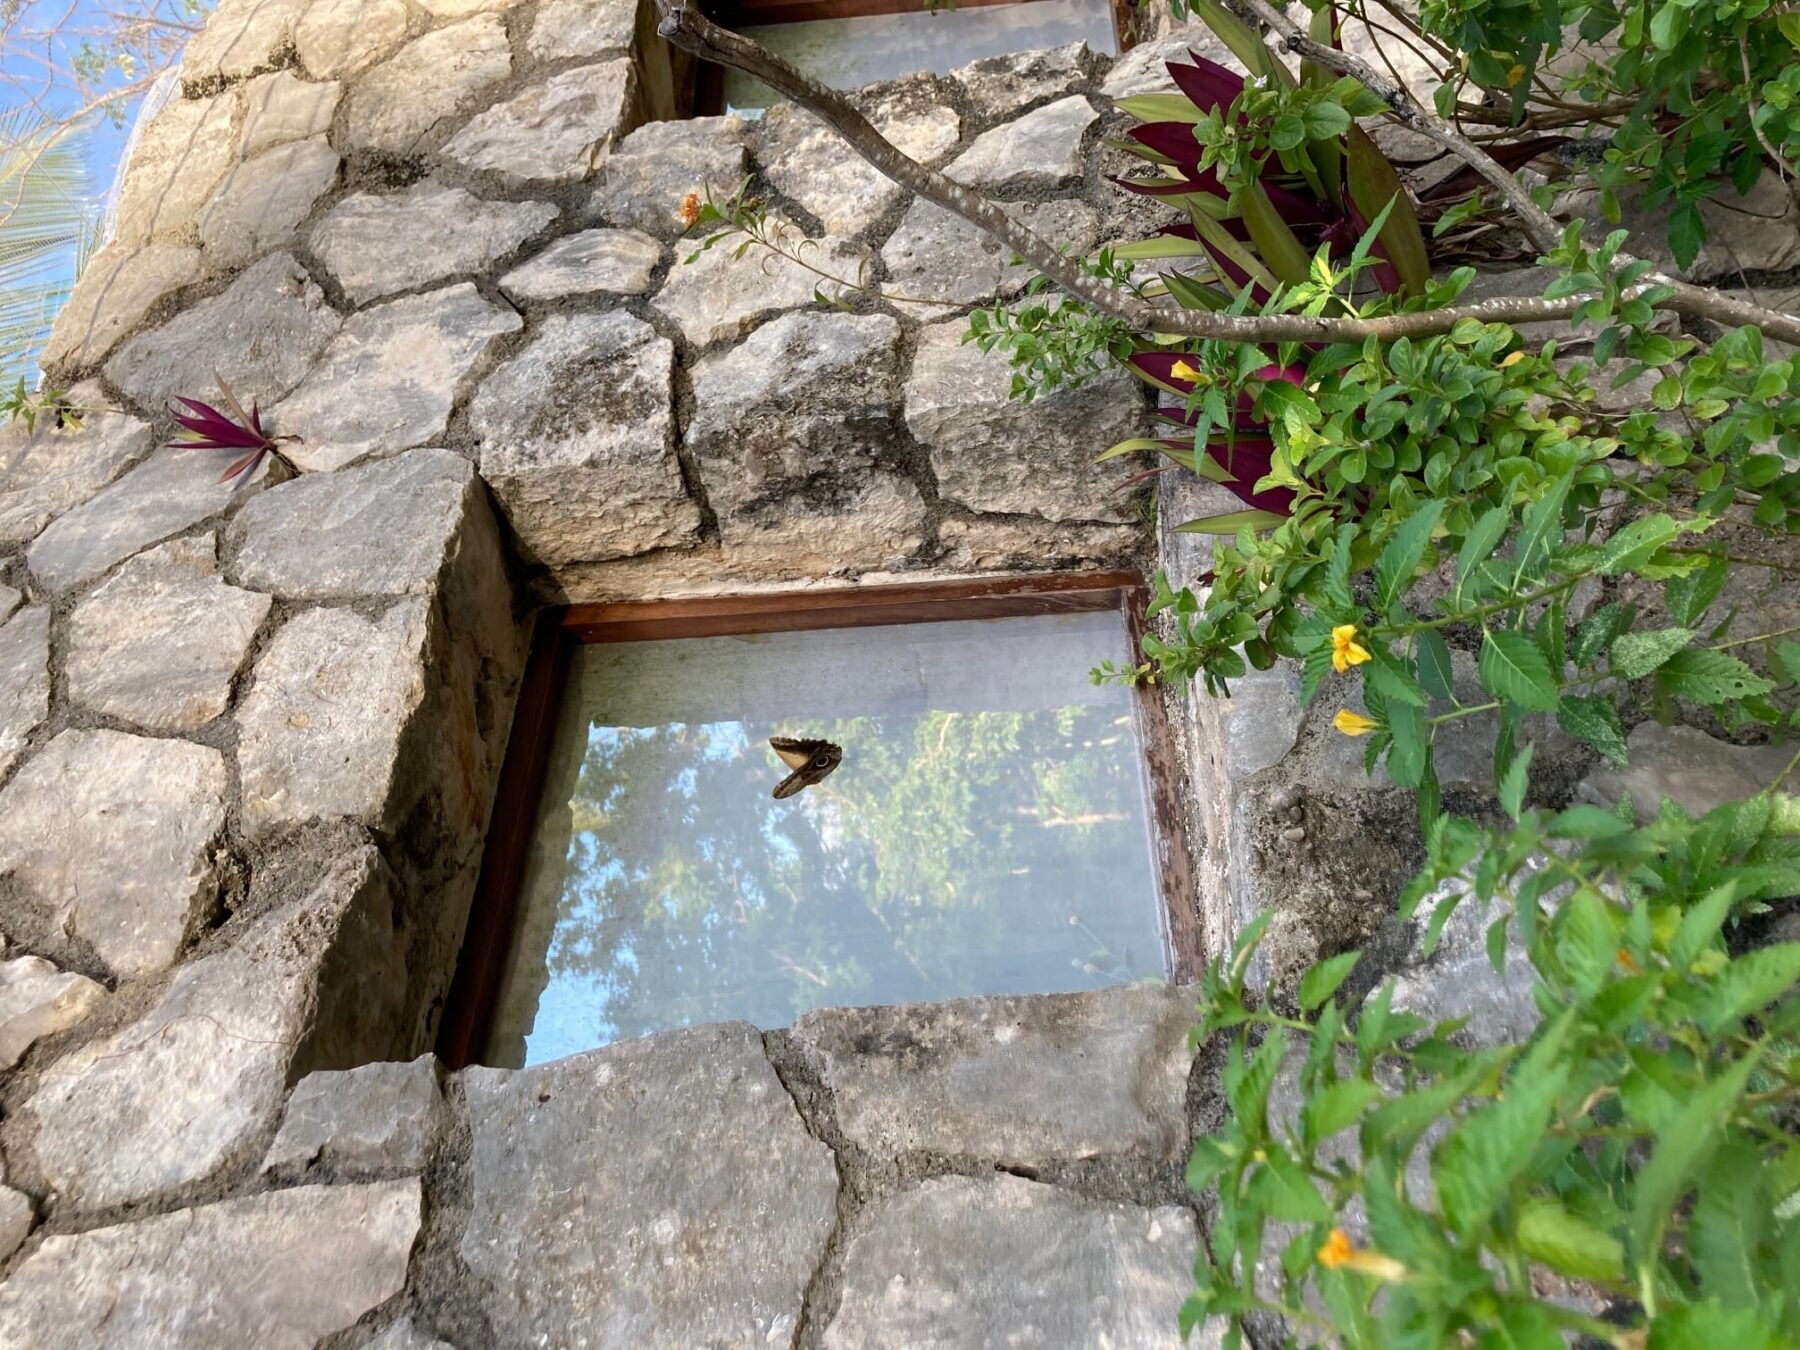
[1040, 150]
[166, 494]
[1698, 771]
[651, 171]
[616, 261]
[24, 680]
[872, 521]
[38, 1000]
[935, 254]
[319, 730]
[280, 107]
[428, 82]
[261, 335]
[240, 38]
[1145, 68]
[967, 1077]
[384, 528]
[337, 38]
[577, 440]
[118, 287]
[15, 1220]
[389, 378]
[168, 1098]
[263, 201]
[159, 642]
[47, 469]
[180, 158]
[555, 130]
[984, 544]
[959, 404]
[375, 1117]
[717, 296]
[375, 245]
[276, 1271]
[76, 831]
[564, 29]
[11, 597]
[610, 1195]
[966, 1262]
[1004, 86]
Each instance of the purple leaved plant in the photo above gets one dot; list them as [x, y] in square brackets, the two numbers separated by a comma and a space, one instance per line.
[204, 427]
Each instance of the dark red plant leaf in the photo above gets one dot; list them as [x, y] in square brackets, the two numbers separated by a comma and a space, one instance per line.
[207, 428]
[1207, 84]
[1175, 140]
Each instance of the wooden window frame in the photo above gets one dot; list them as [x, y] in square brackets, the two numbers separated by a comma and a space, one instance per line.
[488, 939]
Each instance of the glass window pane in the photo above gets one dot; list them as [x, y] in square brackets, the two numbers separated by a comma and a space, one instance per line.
[985, 833]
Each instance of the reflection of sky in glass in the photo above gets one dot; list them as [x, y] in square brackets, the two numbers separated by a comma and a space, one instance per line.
[986, 833]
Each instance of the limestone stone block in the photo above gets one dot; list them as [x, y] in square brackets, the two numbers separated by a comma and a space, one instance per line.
[240, 38]
[555, 130]
[376, 1117]
[403, 1335]
[1144, 69]
[319, 730]
[280, 107]
[616, 261]
[180, 158]
[577, 440]
[38, 1000]
[118, 287]
[260, 335]
[611, 1196]
[1040, 150]
[340, 37]
[993, 453]
[278, 1271]
[15, 1220]
[24, 680]
[388, 379]
[651, 171]
[11, 597]
[936, 255]
[870, 522]
[46, 469]
[110, 836]
[986, 544]
[426, 84]
[376, 245]
[169, 492]
[170, 1097]
[1756, 232]
[1004, 86]
[1458, 978]
[384, 528]
[968, 1077]
[263, 200]
[967, 1262]
[563, 29]
[718, 297]
[1685, 764]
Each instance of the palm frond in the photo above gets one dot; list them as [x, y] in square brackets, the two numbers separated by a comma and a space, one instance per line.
[46, 218]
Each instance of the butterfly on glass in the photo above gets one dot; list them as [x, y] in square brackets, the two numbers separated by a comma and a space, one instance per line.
[810, 761]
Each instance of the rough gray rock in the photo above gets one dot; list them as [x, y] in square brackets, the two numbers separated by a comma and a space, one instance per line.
[166, 494]
[319, 730]
[15, 1220]
[262, 202]
[389, 378]
[1682, 763]
[403, 1335]
[1756, 232]
[965, 1262]
[240, 38]
[276, 1271]
[396, 107]
[118, 287]
[261, 336]
[383, 528]
[806, 394]
[1458, 979]
[987, 545]
[1040, 150]
[563, 29]
[24, 680]
[1004, 86]
[280, 107]
[178, 161]
[1144, 69]
[653, 169]
[935, 254]
[619, 261]
[718, 296]
[46, 470]
[967, 1077]
[611, 1197]
[11, 597]
[378, 1117]
[577, 440]
[870, 522]
[159, 642]
[340, 37]
[377, 245]
[958, 403]
[110, 837]
[555, 130]
[167, 1099]
[38, 1000]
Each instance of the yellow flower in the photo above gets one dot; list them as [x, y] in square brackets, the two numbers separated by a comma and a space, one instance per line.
[1181, 370]
[1511, 359]
[1340, 1253]
[1345, 650]
[1353, 724]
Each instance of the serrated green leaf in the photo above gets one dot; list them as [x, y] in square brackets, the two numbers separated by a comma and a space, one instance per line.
[1405, 550]
[1568, 1243]
[1436, 673]
[1409, 752]
[1728, 1225]
[1481, 540]
[1682, 1148]
[1512, 668]
[1635, 655]
[1513, 785]
[1594, 719]
[1710, 677]
[1336, 1108]
[1597, 634]
[1322, 979]
[1751, 983]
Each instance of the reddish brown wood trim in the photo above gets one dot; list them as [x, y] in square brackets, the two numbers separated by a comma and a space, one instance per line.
[1168, 814]
[488, 937]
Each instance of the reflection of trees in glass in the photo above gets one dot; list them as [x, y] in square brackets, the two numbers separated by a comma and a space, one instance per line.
[953, 853]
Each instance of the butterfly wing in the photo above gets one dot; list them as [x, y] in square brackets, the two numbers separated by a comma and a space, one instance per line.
[810, 760]
[788, 786]
[796, 754]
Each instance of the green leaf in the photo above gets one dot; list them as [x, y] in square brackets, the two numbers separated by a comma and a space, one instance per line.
[1436, 673]
[1751, 983]
[1728, 1225]
[1512, 668]
[1631, 546]
[1408, 754]
[1541, 527]
[1701, 924]
[1230, 522]
[1688, 597]
[1512, 787]
[1709, 677]
[1687, 230]
[1594, 719]
[1587, 942]
[1635, 655]
[1373, 184]
[1336, 1108]
[1597, 634]
[1568, 1243]
[1405, 550]
[1481, 541]
[1323, 978]
[1281, 250]
[1682, 1148]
